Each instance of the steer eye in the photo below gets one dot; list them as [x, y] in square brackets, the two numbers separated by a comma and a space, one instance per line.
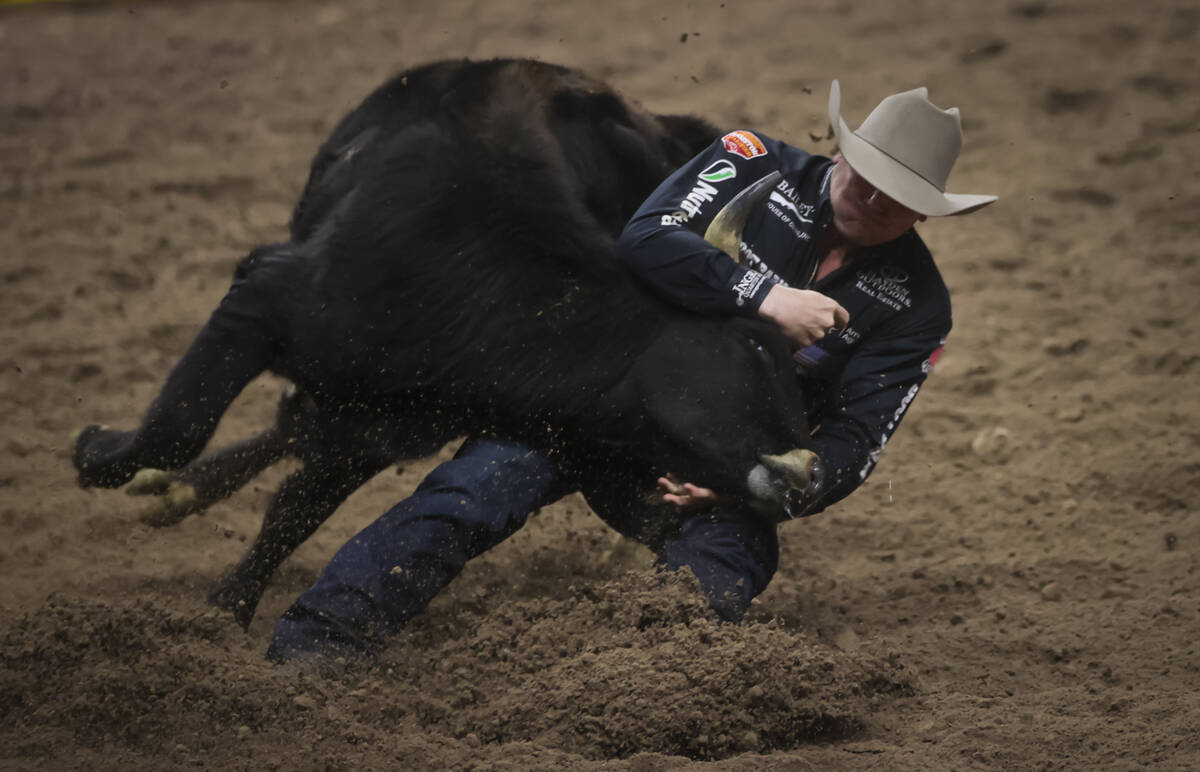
[759, 349]
[762, 351]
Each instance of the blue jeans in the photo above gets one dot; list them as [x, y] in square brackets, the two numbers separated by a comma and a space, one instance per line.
[393, 568]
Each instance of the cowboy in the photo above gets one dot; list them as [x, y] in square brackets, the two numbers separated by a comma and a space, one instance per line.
[830, 256]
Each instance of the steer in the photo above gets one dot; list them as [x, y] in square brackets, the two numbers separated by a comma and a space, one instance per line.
[450, 271]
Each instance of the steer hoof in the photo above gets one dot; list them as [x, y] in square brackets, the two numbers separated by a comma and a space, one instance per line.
[75, 435]
[228, 596]
[96, 452]
[149, 482]
[175, 504]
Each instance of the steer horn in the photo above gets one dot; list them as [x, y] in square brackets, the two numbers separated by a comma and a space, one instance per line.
[725, 231]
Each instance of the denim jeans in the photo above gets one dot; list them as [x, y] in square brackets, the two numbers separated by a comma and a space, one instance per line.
[393, 568]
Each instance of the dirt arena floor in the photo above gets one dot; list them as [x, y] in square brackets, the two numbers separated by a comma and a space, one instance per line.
[1016, 587]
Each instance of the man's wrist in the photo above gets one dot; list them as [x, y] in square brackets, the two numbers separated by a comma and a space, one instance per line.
[750, 289]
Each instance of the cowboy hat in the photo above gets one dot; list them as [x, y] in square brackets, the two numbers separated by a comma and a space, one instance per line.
[906, 148]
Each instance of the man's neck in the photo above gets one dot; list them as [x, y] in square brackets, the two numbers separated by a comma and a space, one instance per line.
[832, 251]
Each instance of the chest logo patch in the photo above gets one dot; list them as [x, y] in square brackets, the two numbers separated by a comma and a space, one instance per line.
[719, 171]
[885, 285]
[743, 143]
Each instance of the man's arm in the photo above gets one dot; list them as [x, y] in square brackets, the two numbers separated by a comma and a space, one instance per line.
[664, 246]
[867, 403]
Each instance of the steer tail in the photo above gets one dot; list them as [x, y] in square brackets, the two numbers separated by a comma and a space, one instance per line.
[236, 344]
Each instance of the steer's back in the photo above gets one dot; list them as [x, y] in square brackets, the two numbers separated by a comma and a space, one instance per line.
[616, 151]
[459, 226]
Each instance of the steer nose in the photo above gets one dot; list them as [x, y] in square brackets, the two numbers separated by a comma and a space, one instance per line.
[788, 482]
[797, 467]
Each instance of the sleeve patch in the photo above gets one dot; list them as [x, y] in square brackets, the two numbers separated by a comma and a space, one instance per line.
[719, 171]
[927, 365]
[743, 143]
[748, 285]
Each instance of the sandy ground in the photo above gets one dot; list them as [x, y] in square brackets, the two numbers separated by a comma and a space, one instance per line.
[1015, 587]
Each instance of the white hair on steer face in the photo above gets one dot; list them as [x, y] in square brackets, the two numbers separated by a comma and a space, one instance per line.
[761, 484]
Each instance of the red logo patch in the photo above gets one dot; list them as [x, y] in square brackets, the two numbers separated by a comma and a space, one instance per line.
[743, 143]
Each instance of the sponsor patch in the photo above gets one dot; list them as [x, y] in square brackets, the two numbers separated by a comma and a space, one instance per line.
[783, 205]
[885, 285]
[690, 206]
[927, 365]
[743, 143]
[751, 258]
[749, 284]
[719, 171]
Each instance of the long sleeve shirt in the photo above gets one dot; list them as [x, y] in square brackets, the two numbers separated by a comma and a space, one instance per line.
[858, 381]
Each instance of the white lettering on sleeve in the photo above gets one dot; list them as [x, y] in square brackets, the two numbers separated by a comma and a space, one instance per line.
[877, 451]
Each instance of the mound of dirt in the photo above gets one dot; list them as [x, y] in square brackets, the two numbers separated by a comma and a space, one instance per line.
[636, 665]
[623, 667]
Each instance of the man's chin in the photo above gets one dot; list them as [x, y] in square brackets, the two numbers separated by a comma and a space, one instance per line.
[862, 237]
[855, 235]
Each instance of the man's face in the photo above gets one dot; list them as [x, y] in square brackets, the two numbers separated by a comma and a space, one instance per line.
[863, 215]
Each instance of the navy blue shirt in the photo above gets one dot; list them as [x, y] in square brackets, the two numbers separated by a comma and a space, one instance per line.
[859, 381]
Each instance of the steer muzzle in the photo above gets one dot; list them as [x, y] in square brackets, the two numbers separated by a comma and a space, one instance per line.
[787, 483]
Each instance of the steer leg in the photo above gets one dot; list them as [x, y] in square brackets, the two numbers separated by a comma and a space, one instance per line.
[305, 501]
[232, 348]
[205, 481]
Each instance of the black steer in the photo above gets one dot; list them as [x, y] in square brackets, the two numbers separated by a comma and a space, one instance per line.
[450, 272]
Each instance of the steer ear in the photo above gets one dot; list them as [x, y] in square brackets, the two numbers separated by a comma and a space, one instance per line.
[725, 232]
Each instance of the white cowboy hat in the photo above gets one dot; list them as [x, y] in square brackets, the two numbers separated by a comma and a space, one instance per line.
[906, 148]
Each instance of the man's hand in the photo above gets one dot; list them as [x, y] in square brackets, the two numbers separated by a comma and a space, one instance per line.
[686, 496]
[804, 316]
